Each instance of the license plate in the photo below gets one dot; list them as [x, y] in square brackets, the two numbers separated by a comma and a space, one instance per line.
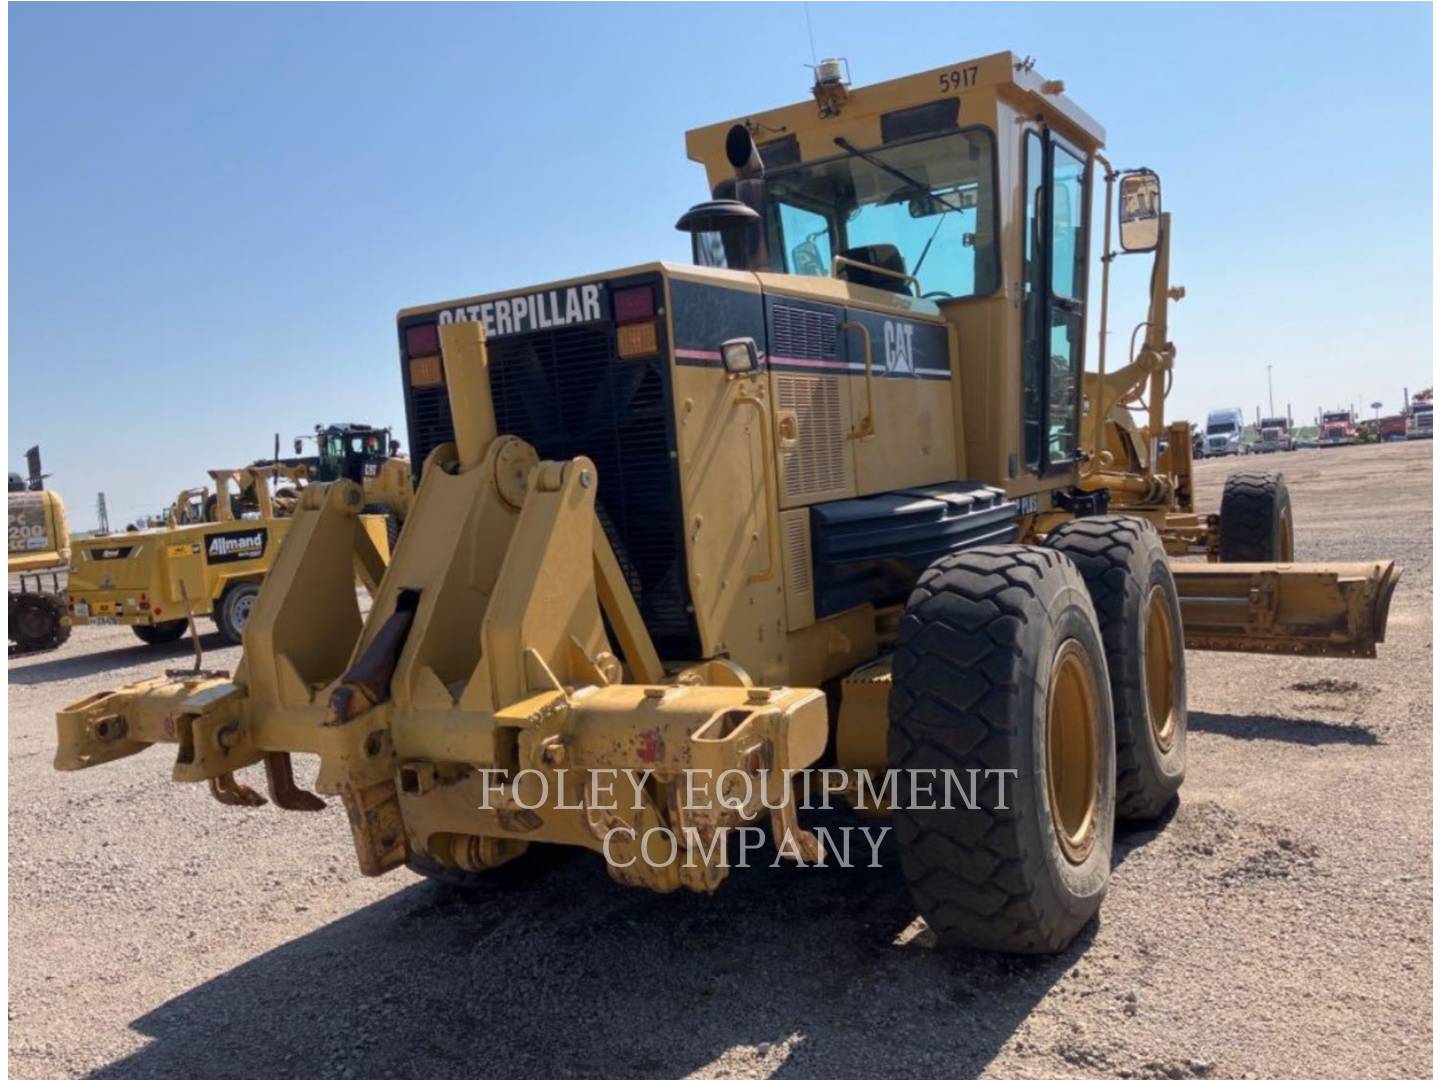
[105, 620]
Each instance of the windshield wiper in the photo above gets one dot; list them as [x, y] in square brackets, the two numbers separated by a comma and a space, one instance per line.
[865, 155]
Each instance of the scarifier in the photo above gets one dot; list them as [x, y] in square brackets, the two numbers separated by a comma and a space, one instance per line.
[840, 492]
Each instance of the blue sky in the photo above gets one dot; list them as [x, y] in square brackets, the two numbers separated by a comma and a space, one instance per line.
[216, 211]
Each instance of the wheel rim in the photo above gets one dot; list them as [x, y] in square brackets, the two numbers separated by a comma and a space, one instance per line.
[1287, 537]
[240, 613]
[1160, 668]
[1072, 752]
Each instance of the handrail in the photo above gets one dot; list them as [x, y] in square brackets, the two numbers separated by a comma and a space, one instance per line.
[772, 545]
[840, 260]
[866, 428]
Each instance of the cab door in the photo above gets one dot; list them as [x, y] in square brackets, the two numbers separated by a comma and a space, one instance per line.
[1057, 229]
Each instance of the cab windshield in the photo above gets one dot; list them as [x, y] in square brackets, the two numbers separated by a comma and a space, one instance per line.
[1220, 427]
[940, 222]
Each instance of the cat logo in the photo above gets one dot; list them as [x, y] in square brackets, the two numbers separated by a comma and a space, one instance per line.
[899, 348]
[235, 546]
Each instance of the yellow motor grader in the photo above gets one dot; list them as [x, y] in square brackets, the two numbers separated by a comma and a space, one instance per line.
[841, 495]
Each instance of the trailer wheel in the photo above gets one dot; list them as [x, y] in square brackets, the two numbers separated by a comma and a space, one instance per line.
[1122, 560]
[999, 666]
[35, 623]
[1255, 521]
[392, 524]
[162, 633]
[234, 609]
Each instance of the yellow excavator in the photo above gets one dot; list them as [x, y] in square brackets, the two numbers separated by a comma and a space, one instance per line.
[39, 554]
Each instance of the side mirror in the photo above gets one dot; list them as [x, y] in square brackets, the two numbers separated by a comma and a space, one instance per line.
[299, 445]
[1140, 212]
[805, 259]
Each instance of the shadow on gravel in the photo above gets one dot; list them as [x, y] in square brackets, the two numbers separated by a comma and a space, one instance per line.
[1283, 729]
[75, 667]
[1130, 837]
[570, 974]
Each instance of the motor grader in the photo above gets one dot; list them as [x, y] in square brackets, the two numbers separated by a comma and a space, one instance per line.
[841, 495]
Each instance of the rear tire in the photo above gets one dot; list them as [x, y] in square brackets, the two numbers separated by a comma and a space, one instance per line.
[162, 633]
[1122, 560]
[35, 622]
[999, 666]
[1255, 519]
[233, 613]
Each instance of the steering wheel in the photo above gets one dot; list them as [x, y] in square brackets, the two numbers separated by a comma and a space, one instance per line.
[936, 295]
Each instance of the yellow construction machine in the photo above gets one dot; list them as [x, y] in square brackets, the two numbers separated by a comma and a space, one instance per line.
[39, 554]
[840, 495]
[367, 455]
[210, 558]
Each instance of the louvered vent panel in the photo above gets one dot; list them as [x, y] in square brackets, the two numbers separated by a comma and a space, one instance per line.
[799, 580]
[815, 465]
[802, 333]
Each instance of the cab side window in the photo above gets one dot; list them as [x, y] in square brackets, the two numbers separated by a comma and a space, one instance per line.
[805, 240]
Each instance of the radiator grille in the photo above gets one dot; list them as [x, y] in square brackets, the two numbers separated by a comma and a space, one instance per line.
[566, 393]
[815, 466]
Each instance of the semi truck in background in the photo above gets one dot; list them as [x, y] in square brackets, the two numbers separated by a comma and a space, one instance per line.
[1420, 418]
[1224, 432]
[1275, 435]
[1338, 428]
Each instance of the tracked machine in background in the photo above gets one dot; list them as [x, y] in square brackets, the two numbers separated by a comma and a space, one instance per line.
[39, 554]
[841, 492]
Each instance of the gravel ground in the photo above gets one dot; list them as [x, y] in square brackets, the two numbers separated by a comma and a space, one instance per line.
[1278, 924]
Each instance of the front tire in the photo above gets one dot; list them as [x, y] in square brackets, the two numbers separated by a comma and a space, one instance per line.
[999, 666]
[1255, 519]
[1122, 560]
[161, 633]
[234, 611]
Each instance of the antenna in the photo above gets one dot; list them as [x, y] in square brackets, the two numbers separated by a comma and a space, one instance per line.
[809, 30]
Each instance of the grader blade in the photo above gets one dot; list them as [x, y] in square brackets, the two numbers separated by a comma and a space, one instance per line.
[1300, 609]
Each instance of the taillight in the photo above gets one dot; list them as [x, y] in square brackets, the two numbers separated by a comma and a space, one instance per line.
[422, 350]
[426, 371]
[633, 305]
[636, 340]
[422, 340]
[637, 333]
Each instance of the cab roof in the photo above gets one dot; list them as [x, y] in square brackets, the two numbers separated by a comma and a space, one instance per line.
[859, 114]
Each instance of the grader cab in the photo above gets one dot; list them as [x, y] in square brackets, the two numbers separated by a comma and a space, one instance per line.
[840, 495]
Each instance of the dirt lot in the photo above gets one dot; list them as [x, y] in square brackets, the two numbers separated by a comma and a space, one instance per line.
[1278, 924]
